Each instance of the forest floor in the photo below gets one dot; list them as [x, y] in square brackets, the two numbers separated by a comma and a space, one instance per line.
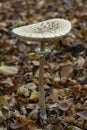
[65, 78]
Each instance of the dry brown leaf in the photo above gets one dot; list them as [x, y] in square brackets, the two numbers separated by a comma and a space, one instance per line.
[23, 90]
[31, 124]
[56, 77]
[30, 12]
[15, 125]
[33, 115]
[34, 128]
[69, 119]
[31, 86]
[30, 106]
[80, 62]
[7, 82]
[54, 95]
[83, 114]
[8, 70]
[28, 122]
[34, 96]
[12, 102]
[65, 71]
[36, 63]
[21, 100]
[64, 105]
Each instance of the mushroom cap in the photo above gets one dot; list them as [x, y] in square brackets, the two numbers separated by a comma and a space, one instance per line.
[43, 31]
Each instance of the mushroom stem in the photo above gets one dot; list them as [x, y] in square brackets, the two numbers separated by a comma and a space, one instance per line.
[56, 43]
[41, 88]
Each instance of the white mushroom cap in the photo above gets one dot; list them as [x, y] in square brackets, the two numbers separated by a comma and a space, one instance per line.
[42, 31]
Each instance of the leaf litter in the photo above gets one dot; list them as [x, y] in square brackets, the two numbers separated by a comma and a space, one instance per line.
[65, 79]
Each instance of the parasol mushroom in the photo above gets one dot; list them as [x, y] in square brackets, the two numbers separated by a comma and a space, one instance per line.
[42, 32]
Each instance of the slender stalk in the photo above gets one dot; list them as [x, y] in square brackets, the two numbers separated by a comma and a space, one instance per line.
[41, 88]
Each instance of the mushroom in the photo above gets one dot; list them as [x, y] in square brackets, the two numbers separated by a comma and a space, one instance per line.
[42, 32]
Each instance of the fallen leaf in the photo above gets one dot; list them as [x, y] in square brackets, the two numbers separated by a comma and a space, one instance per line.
[80, 62]
[83, 114]
[7, 82]
[15, 125]
[31, 124]
[33, 115]
[30, 106]
[23, 90]
[69, 119]
[34, 96]
[28, 122]
[54, 95]
[71, 127]
[31, 86]
[36, 63]
[52, 106]
[65, 71]
[56, 77]
[64, 105]
[67, 91]
[8, 70]
[12, 102]
[3, 100]
[21, 100]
